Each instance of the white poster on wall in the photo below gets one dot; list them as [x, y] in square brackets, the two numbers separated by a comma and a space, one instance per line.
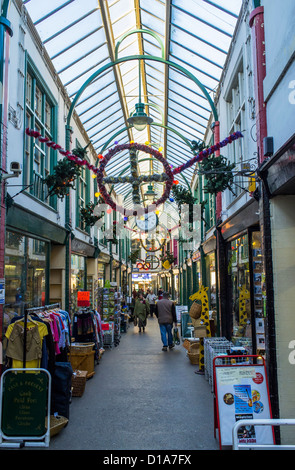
[242, 393]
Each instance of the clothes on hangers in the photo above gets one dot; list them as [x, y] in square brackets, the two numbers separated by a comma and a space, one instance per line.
[35, 333]
[45, 345]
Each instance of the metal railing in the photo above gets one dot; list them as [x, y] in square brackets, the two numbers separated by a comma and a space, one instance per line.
[260, 422]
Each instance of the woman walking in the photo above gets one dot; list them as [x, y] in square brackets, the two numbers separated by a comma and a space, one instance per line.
[141, 312]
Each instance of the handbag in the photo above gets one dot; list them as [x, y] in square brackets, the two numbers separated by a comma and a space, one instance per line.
[195, 310]
[176, 339]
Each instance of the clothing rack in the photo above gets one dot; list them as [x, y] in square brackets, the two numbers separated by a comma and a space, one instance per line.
[27, 312]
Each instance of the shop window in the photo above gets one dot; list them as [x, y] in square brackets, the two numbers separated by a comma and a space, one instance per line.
[236, 122]
[26, 261]
[40, 114]
[259, 294]
[82, 195]
[78, 277]
[240, 292]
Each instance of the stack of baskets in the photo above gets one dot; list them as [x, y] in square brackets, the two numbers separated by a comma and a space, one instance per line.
[193, 353]
[193, 350]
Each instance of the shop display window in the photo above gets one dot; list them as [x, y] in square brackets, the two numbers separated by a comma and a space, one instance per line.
[25, 274]
[259, 294]
[240, 292]
[78, 278]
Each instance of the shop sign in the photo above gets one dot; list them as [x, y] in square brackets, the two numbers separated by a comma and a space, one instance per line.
[83, 298]
[24, 403]
[196, 256]
[241, 392]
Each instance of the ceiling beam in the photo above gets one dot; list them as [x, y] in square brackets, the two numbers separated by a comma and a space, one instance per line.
[107, 23]
[166, 77]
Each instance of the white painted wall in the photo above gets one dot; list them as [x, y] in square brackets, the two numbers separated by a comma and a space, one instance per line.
[279, 84]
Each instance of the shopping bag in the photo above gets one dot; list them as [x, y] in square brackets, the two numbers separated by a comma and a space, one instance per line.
[176, 338]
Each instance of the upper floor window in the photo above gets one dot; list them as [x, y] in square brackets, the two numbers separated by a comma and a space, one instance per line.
[236, 122]
[39, 159]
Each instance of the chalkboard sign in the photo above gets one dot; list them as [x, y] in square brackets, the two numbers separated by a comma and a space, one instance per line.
[24, 403]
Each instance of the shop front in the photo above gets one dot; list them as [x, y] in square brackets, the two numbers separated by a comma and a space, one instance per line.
[209, 279]
[26, 273]
[244, 309]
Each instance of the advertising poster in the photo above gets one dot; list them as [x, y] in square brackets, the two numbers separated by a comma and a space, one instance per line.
[242, 393]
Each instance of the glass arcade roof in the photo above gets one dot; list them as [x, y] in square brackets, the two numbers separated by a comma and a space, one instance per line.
[80, 37]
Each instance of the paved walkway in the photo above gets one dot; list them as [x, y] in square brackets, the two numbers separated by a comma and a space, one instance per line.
[141, 398]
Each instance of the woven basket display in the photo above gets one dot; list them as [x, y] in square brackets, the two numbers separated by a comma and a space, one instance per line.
[79, 378]
[195, 310]
[193, 357]
[83, 361]
[186, 344]
[82, 347]
[57, 423]
[193, 352]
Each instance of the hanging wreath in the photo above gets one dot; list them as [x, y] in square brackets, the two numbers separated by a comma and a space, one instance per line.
[218, 172]
[169, 179]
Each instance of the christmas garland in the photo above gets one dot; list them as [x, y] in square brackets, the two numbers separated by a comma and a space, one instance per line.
[104, 160]
[218, 172]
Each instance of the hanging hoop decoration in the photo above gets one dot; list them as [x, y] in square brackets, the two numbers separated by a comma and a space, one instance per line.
[169, 174]
[144, 148]
[143, 265]
[153, 260]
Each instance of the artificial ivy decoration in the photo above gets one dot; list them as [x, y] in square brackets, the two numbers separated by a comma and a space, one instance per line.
[65, 174]
[87, 216]
[134, 256]
[168, 257]
[182, 196]
[218, 172]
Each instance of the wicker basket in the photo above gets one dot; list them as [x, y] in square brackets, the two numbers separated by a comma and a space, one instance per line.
[193, 357]
[83, 361]
[79, 378]
[194, 347]
[57, 423]
[82, 347]
[186, 344]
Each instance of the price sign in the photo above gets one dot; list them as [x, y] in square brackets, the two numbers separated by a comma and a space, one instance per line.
[83, 299]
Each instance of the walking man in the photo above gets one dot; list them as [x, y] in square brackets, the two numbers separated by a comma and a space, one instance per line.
[151, 298]
[166, 314]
